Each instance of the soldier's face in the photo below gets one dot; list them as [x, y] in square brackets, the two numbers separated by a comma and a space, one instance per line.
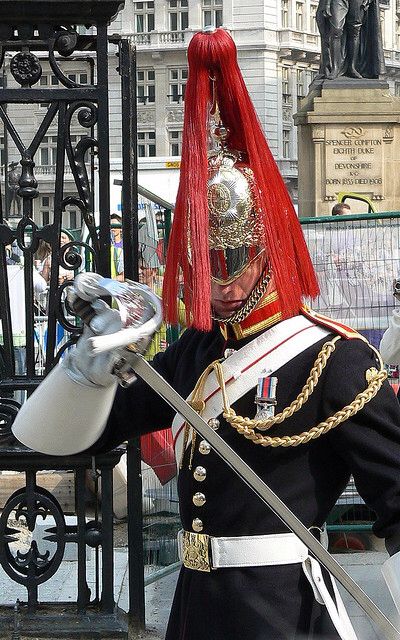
[229, 298]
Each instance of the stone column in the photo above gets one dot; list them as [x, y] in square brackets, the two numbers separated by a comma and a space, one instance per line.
[195, 18]
[162, 83]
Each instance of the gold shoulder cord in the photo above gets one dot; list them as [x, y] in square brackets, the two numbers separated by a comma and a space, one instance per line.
[246, 426]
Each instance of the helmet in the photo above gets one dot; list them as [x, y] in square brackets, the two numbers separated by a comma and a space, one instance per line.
[232, 203]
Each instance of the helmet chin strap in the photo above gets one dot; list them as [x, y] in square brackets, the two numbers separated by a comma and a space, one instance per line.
[251, 302]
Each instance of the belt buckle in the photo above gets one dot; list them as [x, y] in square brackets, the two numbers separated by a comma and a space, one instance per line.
[196, 553]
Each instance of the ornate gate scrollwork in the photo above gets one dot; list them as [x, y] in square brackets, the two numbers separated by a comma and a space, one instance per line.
[31, 567]
[43, 49]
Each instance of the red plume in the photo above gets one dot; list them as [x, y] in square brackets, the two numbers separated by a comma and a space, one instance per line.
[214, 55]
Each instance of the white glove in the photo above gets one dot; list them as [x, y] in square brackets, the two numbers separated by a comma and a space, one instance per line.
[68, 411]
[102, 345]
[80, 363]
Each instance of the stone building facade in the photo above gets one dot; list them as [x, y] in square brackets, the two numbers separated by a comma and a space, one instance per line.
[278, 47]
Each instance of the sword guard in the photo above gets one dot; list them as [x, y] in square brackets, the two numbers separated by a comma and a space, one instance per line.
[140, 310]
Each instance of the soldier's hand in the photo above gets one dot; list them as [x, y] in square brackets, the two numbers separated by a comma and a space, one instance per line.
[101, 350]
[82, 365]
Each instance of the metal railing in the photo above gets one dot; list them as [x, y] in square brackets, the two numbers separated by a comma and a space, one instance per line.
[161, 39]
[33, 565]
[357, 258]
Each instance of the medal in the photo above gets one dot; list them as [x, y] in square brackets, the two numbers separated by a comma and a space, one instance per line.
[266, 396]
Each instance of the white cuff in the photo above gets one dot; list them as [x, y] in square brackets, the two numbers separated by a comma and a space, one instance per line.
[63, 417]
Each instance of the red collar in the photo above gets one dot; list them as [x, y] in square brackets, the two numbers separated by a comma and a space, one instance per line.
[266, 313]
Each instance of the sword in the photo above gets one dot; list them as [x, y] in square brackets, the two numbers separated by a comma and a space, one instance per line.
[132, 363]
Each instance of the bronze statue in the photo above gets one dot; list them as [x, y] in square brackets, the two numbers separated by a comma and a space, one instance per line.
[351, 39]
[13, 176]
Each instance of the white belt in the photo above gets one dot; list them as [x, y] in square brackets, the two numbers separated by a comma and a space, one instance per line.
[241, 551]
[202, 552]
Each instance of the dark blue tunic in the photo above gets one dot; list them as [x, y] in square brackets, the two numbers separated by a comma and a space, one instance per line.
[268, 603]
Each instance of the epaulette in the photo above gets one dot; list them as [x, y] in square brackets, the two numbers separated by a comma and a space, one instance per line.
[329, 323]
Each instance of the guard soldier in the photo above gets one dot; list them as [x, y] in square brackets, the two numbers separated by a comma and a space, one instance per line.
[302, 399]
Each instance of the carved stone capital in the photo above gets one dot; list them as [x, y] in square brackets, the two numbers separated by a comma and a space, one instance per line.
[318, 133]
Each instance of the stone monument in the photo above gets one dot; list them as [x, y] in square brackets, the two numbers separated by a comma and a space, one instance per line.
[349, 123]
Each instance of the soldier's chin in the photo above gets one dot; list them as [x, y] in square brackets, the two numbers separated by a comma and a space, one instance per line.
[225, 309]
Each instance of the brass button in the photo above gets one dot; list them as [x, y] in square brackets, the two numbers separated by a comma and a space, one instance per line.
[213, 423]
[204, 447]
[197, 525]
[199, 499]
[200, 474]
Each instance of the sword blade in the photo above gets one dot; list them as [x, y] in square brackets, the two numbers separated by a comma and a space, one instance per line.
[143, 369]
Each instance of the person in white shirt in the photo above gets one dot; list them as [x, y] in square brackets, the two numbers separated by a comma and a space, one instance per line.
[16, 285]
[390, 343]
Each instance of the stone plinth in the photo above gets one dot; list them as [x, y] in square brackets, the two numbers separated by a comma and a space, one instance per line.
[348, 141]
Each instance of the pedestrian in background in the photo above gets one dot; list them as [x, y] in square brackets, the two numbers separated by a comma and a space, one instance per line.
[117, 252]
[341, 209]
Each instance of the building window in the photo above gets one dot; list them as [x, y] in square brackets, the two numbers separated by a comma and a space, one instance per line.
[212, 13]
[299, 16]
[285, 14]
[72, 218]
[286, 96]
[300, 83]
[396, 89]
[175, 143]
[178, 15]
[80, 78]
[313, 18]
[44, 213]
[286, 143]
[75, 139]
[48, 151]
[146, 89]
[177, 85]
[47, 80]
[144, 16]
[146, 144]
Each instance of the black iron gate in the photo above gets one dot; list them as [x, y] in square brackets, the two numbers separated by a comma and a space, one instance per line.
[38, 42]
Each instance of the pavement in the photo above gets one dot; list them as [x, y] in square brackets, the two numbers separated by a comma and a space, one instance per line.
[363, 567]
